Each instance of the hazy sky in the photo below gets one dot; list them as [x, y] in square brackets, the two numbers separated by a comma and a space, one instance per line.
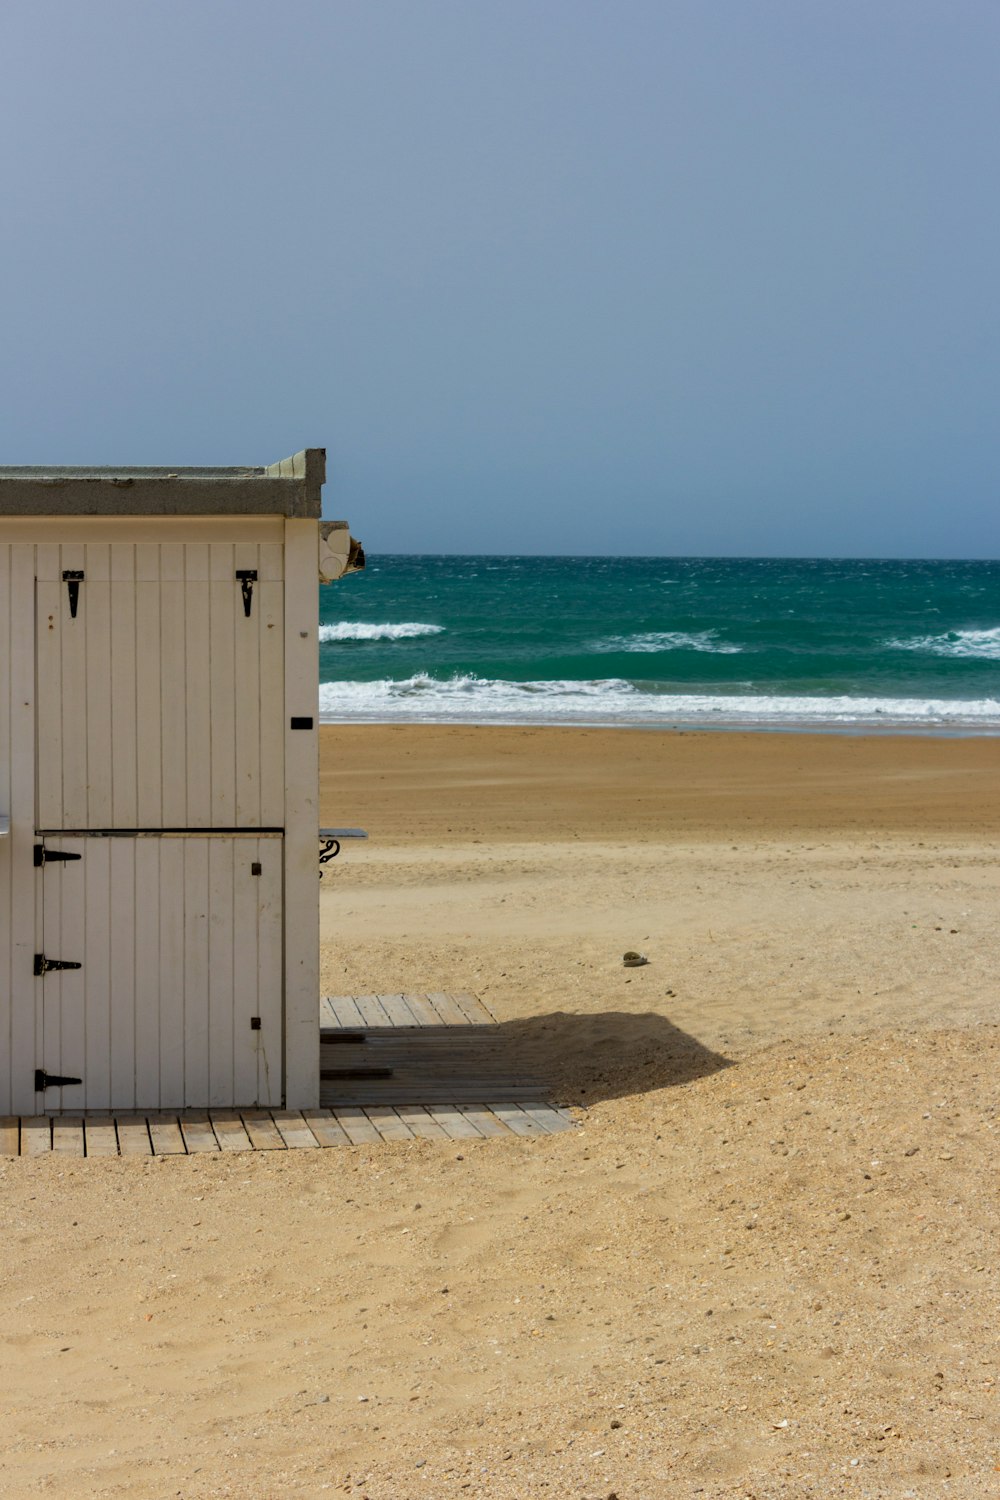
[686, 276]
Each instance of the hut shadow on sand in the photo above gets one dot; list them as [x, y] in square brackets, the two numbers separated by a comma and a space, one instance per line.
[590, 1057]
[451, 1049]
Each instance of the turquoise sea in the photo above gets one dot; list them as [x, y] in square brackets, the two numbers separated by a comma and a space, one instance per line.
[649, 641]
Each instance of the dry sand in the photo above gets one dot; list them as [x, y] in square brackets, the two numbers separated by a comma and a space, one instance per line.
[764, 1265]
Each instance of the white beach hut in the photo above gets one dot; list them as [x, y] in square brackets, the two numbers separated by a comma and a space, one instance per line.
[159, 799]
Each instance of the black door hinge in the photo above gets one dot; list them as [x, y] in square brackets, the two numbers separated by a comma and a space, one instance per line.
[72, 578]
[247, 577]
[43, 855]
[45, 1081]
[334, 1075]
[45, 965]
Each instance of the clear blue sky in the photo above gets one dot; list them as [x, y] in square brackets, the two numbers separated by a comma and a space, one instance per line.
[652, 276]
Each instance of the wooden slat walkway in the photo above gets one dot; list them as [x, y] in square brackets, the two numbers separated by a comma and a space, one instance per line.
[398, 1012]
[393, 1068]
[424, 1050]
[269, 1130]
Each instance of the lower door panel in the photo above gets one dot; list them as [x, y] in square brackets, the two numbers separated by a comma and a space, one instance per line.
[177, 1000]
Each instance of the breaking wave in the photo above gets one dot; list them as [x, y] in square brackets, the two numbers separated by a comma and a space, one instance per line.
[981, 644]
[669, 640]
[360, 630]
[470, 700]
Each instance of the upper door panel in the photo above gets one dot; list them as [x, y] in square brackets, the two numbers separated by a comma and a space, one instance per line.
[160, 686]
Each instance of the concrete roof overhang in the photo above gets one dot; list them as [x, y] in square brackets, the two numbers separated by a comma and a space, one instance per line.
[292, 487]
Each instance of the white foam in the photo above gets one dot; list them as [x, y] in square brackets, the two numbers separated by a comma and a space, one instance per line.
[469, 700]
[361, 630]
[669, 640]
[984, 644]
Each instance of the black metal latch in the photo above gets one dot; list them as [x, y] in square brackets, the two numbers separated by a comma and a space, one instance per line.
[45, 965]
[42, 855]
[329, 850]
[45, 1081]
[72, 578]
[247, 577]
[330, 838]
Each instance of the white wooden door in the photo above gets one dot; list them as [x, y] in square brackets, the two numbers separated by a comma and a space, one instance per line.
[177, 1000]
[160, 698]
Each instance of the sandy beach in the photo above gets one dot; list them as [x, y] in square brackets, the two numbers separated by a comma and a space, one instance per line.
[764, 1263]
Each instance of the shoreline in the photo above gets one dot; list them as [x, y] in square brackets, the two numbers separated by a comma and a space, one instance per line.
[439, 784]
[893, 730]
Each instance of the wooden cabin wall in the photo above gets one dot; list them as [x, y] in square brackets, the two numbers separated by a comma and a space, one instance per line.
[200, 739]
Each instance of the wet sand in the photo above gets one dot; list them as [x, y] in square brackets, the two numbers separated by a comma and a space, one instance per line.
[442, 783]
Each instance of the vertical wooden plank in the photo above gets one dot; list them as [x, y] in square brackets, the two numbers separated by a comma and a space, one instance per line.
[550, 1119]
[49, 660]
[247, 691]
[10, 1135]
[270, 958]
[420, 1122]
[514, 1117]
[356, 1126]
[271, 567]
[133, 1136]
[422, 1010]
[171, 998]
[230, 1131]
[323, 1126]
[397, 1010]
[124, 959]
[198, 1133]
[450, 1013]
[100, 1137]
[246, 968]
[485, 1121]
[67, 1135]
[148, 688]
[222, 593]
[474, 1010]
[173, 686]
[124, 688]
[264, 1134]
[96, 590]
[454, 1124]
[165, 1134]
[25, 989]
[5, 856]
[270, 562]
[63, 896]
[222, 853]
[196, 907]
[61, 994]
[301, 821]
[294, 1130]
[96, 973]
[198, 749]
[272, 680]
[36, 1135]
[72, 740]
[47, 606]
[346, 1010]
[372, 1013]
[388, 1123]
[147, 971]
[270, 640]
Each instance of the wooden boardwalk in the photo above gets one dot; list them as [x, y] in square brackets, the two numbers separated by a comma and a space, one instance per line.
[185, 1133]
[393, 1068]
[420, 1049]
